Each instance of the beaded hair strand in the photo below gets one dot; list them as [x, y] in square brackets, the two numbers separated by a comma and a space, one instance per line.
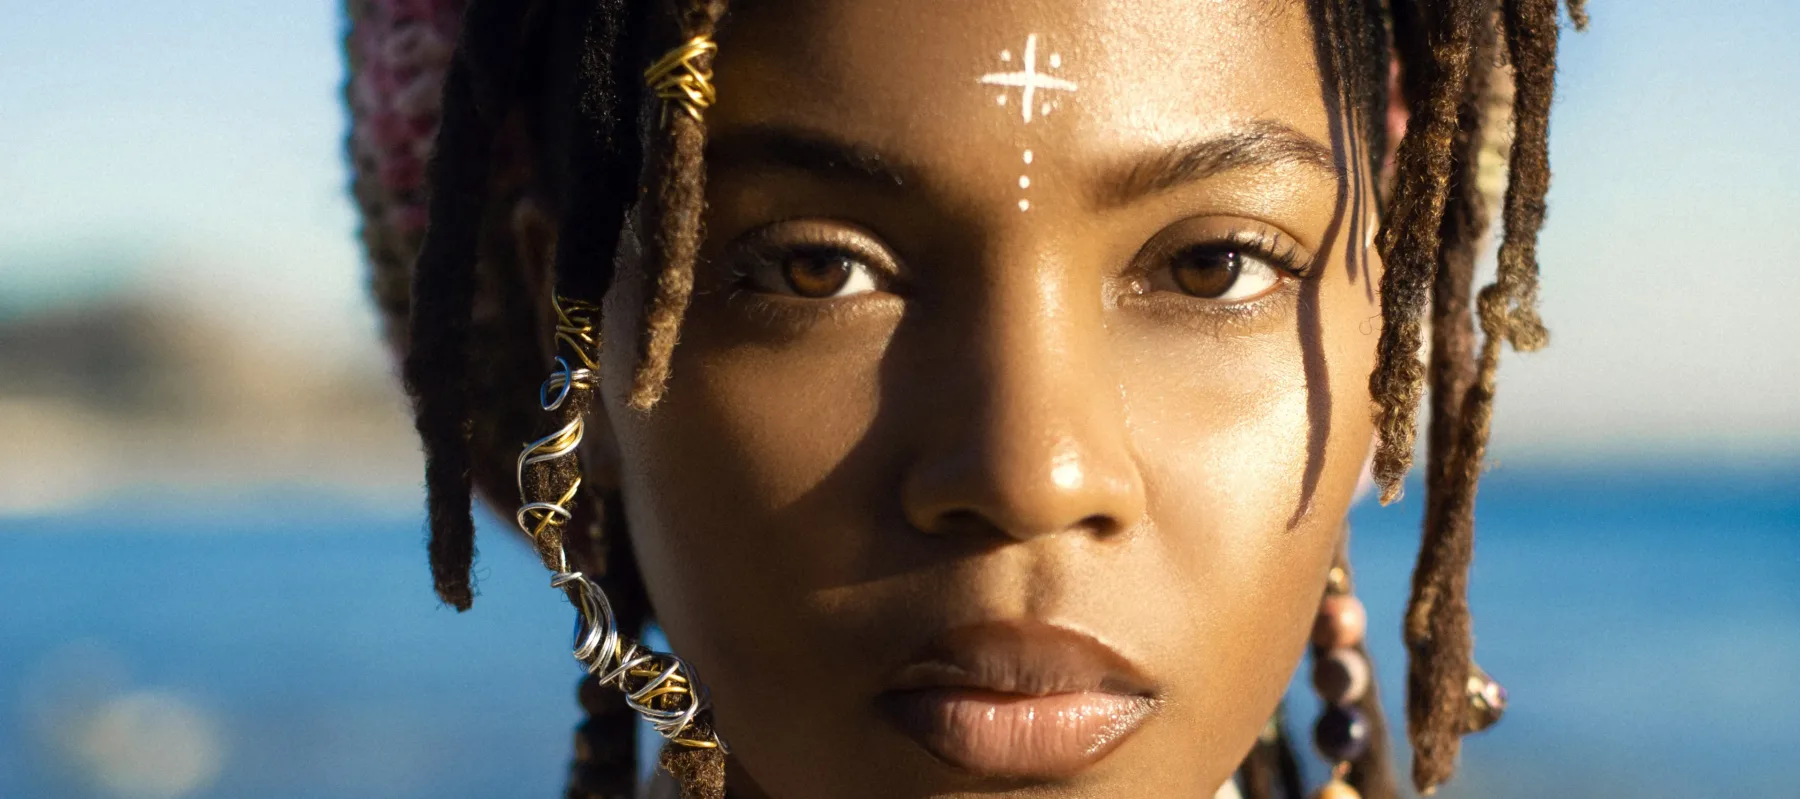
[1433, 230]
[606, 155]
[604, 152]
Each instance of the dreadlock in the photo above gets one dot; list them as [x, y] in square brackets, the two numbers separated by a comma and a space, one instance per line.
[1434, 230]
[617, 137]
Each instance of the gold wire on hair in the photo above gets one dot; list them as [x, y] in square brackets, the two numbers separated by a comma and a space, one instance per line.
[659, 686]
[575, 328]
[683, 76]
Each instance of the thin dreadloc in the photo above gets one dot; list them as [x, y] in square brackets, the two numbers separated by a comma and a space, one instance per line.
[605, 762]
[1271, 770]
[1438, 630]
[1410, 239]
[604, 154]
[676, 229]
[436, 368]
[1438, 665]
[1437, 621]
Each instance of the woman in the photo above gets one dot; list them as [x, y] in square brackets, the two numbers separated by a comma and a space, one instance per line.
[1029, 356]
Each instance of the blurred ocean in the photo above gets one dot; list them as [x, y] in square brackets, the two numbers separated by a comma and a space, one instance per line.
[1646, 624]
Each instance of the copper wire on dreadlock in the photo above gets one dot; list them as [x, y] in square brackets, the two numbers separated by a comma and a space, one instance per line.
[1434, 222]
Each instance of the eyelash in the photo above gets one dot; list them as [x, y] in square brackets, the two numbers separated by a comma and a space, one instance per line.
[1291, 262]
[1281, 252]
[770, 248]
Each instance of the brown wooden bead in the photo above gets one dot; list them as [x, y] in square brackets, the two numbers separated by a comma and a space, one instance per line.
[1336, 789]
[1341, 676]
[1341, 622]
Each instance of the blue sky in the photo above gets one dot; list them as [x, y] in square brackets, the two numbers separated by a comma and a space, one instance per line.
[198, 145]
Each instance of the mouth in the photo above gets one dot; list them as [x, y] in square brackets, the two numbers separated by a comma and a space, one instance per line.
[1020, 700]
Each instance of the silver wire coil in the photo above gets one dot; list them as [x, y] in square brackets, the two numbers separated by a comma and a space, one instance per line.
[660, 687]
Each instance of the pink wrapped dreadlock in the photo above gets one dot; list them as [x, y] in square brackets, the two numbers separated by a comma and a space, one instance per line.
[398, 52]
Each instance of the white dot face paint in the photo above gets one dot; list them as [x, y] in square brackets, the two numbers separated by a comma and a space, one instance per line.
[1029, 81]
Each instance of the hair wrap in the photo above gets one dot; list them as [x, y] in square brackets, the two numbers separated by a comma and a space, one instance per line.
[399, 52]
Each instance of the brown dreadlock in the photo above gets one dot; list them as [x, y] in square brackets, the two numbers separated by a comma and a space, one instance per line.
[517, 65]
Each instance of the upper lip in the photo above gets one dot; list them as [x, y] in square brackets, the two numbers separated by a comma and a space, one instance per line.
[1024, 658]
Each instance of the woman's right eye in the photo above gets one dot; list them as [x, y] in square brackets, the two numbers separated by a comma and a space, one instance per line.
[814, 274]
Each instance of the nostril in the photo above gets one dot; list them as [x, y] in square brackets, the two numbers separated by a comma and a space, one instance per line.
[966, 523]
[1101, 525]
[962, 522]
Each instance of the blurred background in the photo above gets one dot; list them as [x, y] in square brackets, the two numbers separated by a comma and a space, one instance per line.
[211, 564]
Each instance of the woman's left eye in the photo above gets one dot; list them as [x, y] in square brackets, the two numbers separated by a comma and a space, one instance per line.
[815, 275]
[1219, 272]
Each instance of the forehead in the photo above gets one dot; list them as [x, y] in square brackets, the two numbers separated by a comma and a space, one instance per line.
[937, 79]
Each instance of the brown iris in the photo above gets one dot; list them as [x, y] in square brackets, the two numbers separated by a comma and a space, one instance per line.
[1207, 272]
[817, 275]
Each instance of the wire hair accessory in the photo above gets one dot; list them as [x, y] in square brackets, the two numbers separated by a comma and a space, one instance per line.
[659, 686]
[683, 77]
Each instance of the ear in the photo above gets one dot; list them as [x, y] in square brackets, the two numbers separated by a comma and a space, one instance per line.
[1399, 112]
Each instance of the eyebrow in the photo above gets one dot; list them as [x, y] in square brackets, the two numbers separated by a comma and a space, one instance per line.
[762, 147]
[1257, 144]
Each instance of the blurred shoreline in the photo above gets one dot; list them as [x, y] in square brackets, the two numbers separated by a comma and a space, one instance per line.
[140, 393]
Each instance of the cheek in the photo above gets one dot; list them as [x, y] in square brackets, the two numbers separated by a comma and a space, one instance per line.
[1251, 447]
[751, 490]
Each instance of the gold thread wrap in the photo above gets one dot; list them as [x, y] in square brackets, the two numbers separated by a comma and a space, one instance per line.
[683, 77]
[660, 687]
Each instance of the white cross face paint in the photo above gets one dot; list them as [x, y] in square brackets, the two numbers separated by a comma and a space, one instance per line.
[1029, 81]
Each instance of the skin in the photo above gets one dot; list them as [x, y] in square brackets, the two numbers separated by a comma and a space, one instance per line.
[1027, 418]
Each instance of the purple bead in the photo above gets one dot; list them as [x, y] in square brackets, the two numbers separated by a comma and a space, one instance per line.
[1341, 734]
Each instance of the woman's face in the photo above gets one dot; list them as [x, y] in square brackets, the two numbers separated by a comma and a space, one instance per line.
[1021, 397]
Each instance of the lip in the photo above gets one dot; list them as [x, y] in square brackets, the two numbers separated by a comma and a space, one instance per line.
[1021, 700]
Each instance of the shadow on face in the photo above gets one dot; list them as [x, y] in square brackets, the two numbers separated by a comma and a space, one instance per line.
[1028, 354]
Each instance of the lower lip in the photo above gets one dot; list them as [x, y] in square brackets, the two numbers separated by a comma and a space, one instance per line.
[1009, 735]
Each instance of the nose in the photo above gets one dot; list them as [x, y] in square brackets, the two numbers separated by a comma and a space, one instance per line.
[1027, 435]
